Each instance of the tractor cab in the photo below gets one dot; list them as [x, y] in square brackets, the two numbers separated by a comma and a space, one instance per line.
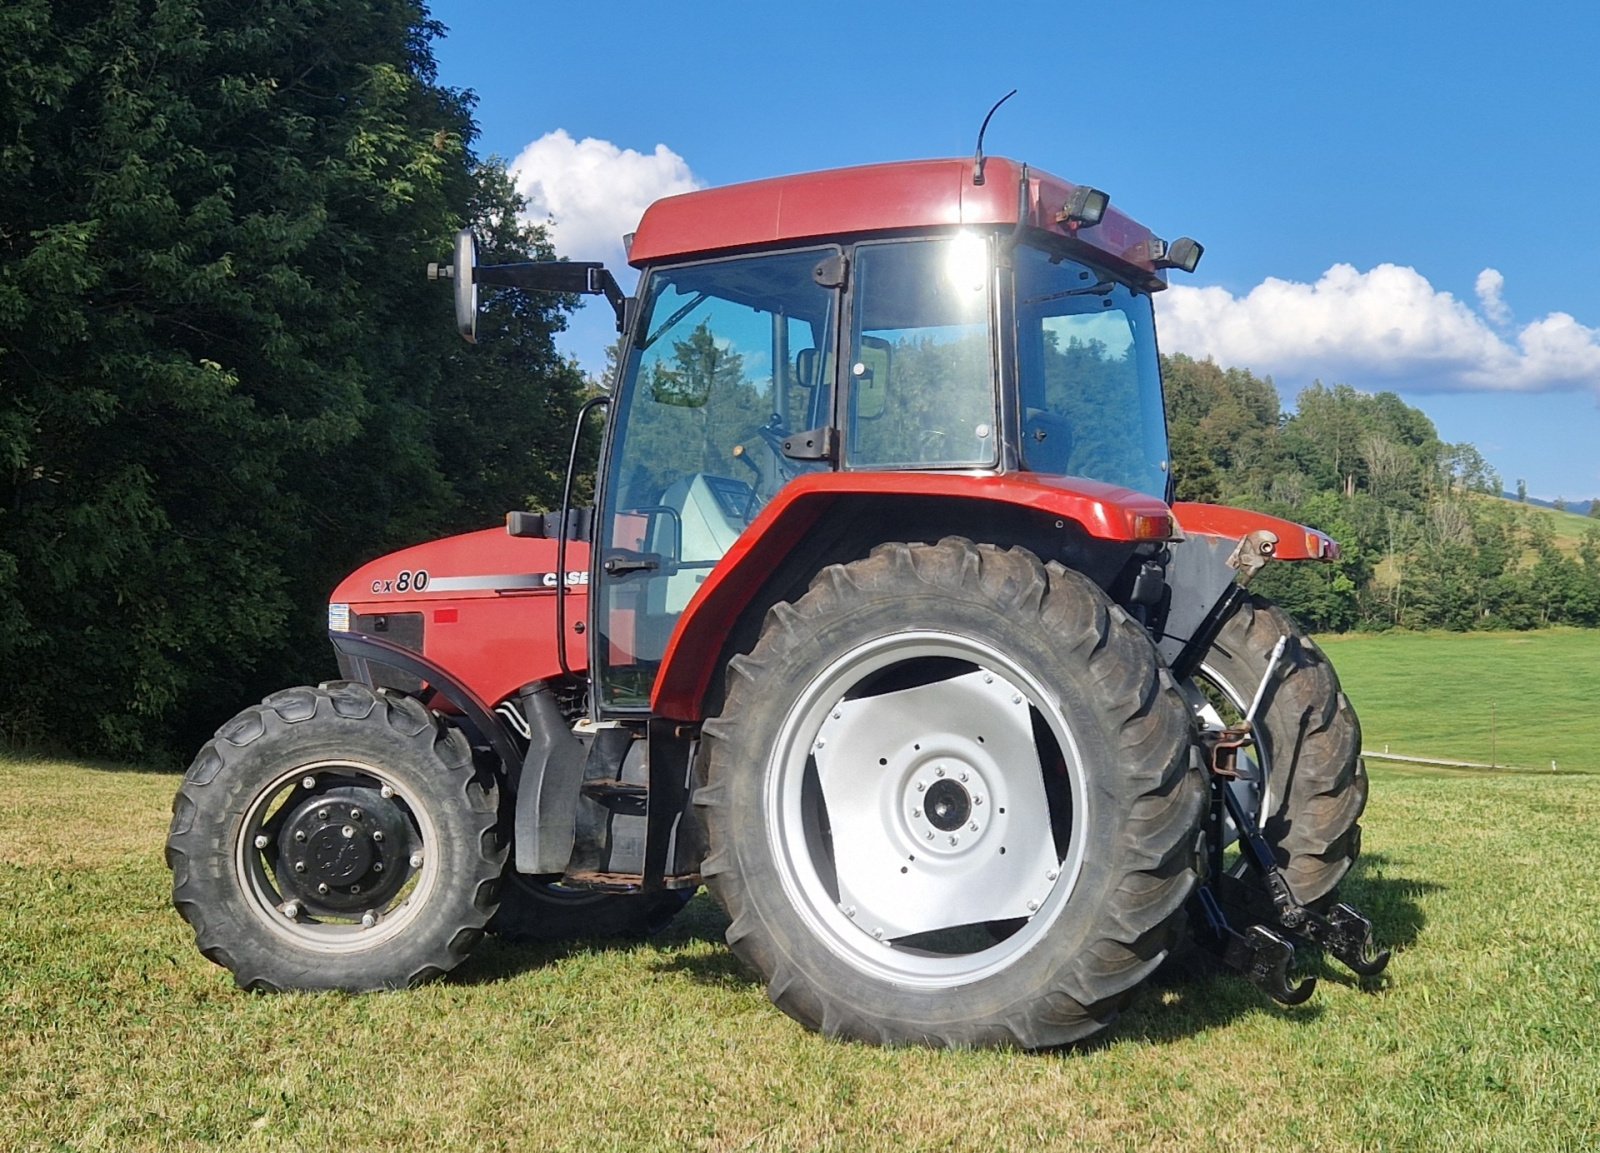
[956, 335]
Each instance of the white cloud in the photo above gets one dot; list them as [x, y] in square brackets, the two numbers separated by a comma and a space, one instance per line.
[1489, 286]
[1386, 328]
[590, 192]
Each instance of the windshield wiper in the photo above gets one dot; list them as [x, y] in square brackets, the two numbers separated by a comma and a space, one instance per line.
[1099, 288]
[673, 319]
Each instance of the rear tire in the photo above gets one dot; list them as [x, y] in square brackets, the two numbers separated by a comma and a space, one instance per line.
[542, 911]
[867, 884]
[1309, 746]
[335, 838]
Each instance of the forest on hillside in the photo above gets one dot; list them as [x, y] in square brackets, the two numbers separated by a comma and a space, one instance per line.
[1427, 541]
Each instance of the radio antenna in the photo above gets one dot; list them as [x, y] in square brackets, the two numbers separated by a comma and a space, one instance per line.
[977, 155]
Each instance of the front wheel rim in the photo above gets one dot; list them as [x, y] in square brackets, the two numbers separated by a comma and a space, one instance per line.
[872, 700]
[358, 907]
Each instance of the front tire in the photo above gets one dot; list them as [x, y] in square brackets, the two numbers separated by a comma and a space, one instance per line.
[950, 800]
[335, 838]
[1310, 784]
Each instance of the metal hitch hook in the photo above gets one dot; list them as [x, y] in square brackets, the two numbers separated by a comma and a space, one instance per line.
[1266, 964]
[1355, 946]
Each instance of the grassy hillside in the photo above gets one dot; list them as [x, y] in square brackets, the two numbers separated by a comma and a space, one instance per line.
[1567, 527]
[1521, 699]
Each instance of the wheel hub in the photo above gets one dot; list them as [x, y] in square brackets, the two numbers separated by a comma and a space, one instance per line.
[948, 804]
[344, 850]
[937, 806]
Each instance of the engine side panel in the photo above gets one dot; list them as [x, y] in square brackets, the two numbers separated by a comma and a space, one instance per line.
[486, 603]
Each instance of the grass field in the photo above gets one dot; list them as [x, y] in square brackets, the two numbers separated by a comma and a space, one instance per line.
[1484, 1034]
[1520, 699]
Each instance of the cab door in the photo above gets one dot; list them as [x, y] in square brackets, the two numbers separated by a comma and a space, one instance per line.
[726, 360]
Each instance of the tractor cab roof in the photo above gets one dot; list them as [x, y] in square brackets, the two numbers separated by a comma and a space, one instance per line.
[886, 198]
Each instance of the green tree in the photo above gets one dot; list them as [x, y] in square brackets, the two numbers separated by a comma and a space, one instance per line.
[223, 380]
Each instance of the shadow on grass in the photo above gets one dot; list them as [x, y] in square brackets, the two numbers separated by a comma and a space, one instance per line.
[701, 922]
[1193, 993]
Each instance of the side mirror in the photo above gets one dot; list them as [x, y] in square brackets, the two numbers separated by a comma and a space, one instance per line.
[464, 272]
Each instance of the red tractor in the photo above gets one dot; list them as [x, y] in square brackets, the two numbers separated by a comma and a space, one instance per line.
[883, 626]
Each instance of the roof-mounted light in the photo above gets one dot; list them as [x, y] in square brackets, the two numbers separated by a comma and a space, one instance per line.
[1084, 208]
[1183, 253]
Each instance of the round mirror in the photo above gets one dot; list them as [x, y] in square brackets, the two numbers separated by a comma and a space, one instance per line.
[466, 285]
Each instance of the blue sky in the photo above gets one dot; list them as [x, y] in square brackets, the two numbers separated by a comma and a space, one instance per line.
[1397, 196]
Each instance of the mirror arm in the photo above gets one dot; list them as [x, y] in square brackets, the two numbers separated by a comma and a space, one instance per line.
[588, 277]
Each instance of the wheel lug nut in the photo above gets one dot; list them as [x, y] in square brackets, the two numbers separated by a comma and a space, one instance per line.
[930, 834]
[977, 800]
[1033, 906]
[299, 866]
[300, 835]
[377, 866]
[262, 840]
[939, 772]
[416, 860]
[290, 909]
[355, 888]
[355, 814]
[1052, 874]
[323, 888]
[954, 840]
[386, 792]
[348, 831]
[921, 786]
[1016, 698]
[368, 920]
[322, 814]
[973, 826]
[377, 834]
[308, 782]
[963, 777]
[916, 812]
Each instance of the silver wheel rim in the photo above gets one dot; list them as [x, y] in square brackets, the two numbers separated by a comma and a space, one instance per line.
[1256, 795]
[965, 721]
[282, 912]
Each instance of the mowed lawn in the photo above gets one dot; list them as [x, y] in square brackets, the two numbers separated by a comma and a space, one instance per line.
[1484, 1035]
[1519, 699]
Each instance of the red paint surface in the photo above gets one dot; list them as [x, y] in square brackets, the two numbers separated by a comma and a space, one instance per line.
[1295, 541]
[493, 641]
[1105, 512]
[842, 202]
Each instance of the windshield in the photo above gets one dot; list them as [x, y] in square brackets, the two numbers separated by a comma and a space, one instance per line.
[1090, 380]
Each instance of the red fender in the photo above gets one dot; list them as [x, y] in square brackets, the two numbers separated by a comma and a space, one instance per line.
[1106, 512]
[1295, 541]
